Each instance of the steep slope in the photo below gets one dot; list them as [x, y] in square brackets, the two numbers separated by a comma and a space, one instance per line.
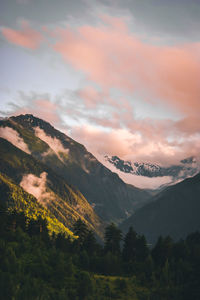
[174, 212]
[63, 201]
[14, 197]
[111, 198]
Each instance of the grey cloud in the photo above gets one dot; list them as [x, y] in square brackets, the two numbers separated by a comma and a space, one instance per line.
[167, 19]
[41, 11]
[174, 18]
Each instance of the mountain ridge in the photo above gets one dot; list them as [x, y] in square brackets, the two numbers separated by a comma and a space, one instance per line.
[105, 191]
[61, 199]
[186, 168]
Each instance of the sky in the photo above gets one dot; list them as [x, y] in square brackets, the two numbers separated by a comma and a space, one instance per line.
[120, 76]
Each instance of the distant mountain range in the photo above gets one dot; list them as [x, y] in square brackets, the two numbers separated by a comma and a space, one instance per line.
[46, 173]
[67, 180]
[186, 168]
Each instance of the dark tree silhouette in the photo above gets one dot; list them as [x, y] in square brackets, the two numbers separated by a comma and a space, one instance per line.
[81, 230]
[130, 246]
[113, 237]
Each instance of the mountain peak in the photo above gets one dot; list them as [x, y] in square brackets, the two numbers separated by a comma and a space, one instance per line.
[29, 120]
[189, 160]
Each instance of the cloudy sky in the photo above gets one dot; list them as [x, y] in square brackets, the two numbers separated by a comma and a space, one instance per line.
[120, 76]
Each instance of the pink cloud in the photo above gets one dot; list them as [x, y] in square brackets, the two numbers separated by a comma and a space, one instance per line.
[42, 108]
[112, 56]
[100, 142]
[26, 37]
[90, 96]
[138, 145]
[47, 110]
[124, 143]
[188, 125]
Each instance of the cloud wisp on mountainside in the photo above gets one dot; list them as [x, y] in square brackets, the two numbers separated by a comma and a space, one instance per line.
[36, 186]
[53, 143]
[13, 136]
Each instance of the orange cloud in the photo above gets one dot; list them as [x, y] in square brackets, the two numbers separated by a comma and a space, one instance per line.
[26, 37]
[112, 56]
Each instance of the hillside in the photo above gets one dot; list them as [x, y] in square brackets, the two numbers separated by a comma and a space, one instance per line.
[15, 198]
[174, 212]
[111, 198]
[65, 202]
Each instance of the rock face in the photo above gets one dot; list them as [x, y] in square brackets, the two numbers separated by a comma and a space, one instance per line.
[187, 167]
[111, 198]
[174, 212]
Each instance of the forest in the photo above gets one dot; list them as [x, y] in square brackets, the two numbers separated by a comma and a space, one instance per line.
[36, 264]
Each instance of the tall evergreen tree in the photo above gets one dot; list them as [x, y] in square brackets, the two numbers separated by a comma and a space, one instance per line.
[90, 243]
[113, 237]
[81, 230]
[142, 250]
[162, 250]
[129, 247]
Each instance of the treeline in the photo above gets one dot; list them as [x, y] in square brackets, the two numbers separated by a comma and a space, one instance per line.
[35, 265]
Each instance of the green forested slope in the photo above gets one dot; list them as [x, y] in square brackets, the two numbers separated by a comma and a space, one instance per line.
[66, 203]
[36, 265]
[15, 198]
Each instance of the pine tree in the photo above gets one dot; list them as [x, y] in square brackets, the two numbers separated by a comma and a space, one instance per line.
[162, 250]
[80, 229]
[113, 237]
[142, 250]
[130, 245]
[157, 251]
[90, 243]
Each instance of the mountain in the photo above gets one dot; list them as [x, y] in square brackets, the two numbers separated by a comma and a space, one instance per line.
[111, 198]
[186, 168]
[66, 203]
[174, 212]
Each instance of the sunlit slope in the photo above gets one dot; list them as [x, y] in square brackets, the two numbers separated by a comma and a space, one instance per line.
[14, 197]
[65, 202]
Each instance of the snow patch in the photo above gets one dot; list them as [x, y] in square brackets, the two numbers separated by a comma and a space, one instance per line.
[142, 182]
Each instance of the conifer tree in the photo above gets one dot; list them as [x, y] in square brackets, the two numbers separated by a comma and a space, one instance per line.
[113, 237]
[142, 250]
[130, 246]
[81, 230]
[90, 243]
